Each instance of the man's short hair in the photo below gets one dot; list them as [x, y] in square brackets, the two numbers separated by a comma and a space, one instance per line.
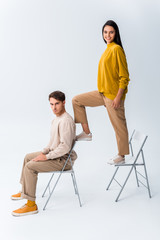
[58, 95]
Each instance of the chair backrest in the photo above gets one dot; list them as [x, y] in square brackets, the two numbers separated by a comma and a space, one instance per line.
[137, 142]
[138, 136]
[73, 145]
[69, 155]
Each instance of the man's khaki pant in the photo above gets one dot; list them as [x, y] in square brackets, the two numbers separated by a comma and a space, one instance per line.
[117, 116]
[31, 169]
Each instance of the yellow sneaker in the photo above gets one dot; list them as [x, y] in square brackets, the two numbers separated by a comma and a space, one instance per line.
[17, 196]
[25, 210]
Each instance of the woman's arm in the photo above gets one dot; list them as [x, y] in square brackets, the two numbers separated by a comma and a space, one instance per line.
[123, 76]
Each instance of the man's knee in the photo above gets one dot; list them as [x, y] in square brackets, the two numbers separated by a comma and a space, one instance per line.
[30, 156]
[27, 157]
[31, 165]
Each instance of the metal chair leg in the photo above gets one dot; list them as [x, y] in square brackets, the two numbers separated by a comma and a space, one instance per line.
[74, 183]
[77, 192]
[145, 170]
[47, 185]
[112, 178]
[136, 176]
[52, 191]
[124, 184]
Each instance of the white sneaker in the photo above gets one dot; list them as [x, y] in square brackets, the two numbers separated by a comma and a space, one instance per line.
[116, 160]
[84, 137]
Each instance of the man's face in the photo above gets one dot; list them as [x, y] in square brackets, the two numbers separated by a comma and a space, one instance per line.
[58, 107]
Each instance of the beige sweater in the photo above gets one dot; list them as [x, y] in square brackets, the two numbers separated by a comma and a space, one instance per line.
[62, 136]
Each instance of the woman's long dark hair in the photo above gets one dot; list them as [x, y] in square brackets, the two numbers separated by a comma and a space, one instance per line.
[117, 38]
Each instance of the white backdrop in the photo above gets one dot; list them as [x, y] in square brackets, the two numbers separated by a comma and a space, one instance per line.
[48, 45]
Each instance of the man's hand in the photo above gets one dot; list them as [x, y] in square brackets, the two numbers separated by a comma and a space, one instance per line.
[40, 157]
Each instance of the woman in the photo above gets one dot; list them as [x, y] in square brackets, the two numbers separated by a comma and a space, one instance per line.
[113, 78]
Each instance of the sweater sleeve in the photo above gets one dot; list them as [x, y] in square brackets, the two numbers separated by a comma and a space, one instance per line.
[122, 68]
[66, 134]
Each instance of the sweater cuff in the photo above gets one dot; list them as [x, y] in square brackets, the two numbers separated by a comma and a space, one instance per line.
[45, 150]
[123, 83]
[123, 86]
[50, 156]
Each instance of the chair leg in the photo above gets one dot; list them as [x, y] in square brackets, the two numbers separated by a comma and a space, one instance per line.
[136, 176]
[52, 191]
[124, 184]
[112, 178]
[47, 185]
[76, 189]
[148, 187]
[145, 170]
[74, 183]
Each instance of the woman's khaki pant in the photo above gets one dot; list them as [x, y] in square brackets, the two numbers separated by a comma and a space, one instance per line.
[117, 116]
[31, 169]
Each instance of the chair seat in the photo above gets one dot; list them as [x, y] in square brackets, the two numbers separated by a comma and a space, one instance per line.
[129, 161]
[65, 171]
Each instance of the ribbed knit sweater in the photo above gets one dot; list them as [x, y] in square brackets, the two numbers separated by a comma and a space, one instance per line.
[61, 137]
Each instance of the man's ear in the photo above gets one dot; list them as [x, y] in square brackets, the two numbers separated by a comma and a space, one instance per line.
[64, 102]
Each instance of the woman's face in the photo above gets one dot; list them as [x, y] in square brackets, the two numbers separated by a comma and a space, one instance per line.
[109, 34]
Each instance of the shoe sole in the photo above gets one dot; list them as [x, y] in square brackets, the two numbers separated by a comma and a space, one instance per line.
[84, 139]
[24, 214]
[113, 163]
[16, 198]
[119, 163]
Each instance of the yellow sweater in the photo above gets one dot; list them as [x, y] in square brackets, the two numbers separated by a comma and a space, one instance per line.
[113, 71]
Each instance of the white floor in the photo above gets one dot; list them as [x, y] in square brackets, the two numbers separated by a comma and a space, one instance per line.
[135, 216]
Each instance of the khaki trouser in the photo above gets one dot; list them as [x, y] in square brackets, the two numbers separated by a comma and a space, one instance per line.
[117, 116]
[31, 169]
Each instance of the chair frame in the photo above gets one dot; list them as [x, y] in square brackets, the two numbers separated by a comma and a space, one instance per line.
[134, 166]
[71, 171]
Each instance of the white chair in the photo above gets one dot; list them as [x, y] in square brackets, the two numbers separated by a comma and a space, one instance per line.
[71, 171]
[136, 143]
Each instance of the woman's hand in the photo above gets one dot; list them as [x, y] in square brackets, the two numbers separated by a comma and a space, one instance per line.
[116, 102]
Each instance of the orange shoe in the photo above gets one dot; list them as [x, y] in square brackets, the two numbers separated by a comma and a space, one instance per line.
[17, 196]
[25, 210]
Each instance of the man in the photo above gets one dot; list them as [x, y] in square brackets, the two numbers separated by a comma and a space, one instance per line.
[51, 158]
